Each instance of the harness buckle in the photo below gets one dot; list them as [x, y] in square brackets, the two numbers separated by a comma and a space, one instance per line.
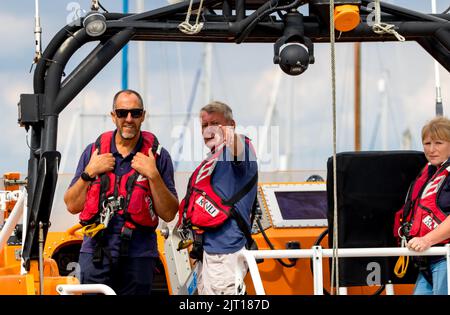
[110, 206]
[186, 237]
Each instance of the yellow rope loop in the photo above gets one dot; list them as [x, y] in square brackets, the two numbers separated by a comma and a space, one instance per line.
[401, 266]
[92, 229]
[402, 262]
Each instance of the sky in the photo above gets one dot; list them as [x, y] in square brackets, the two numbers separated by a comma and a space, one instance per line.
[242, 76]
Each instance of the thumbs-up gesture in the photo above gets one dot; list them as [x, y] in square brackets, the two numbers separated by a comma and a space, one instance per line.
[145, 164]
[100, 163]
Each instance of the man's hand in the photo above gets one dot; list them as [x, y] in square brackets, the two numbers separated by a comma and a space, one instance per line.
[100, 163]
[145, 164]
[228, 135]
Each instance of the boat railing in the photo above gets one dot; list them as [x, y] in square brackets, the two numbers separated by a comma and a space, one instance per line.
[72, 289]
[317, 253]
[16, 213]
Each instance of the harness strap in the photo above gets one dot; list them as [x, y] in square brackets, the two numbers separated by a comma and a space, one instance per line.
[196, 252]
[125, 238]
[241, 193]
[243, 227]
[409, 205]
[250, 244]
[101, 249]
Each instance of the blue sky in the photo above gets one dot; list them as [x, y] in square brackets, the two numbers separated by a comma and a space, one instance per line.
[242, 76]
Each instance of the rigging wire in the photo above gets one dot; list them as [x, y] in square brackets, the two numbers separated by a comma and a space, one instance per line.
[335, 260]
[223, 84]
[102, 7]
[446, 11]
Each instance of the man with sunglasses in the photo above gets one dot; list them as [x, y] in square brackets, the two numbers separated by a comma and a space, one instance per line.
[123, 183]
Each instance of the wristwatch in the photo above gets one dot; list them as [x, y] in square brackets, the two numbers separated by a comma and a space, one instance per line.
[85, 176]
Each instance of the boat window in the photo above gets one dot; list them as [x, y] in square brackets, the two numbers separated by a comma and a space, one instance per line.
[293, 205]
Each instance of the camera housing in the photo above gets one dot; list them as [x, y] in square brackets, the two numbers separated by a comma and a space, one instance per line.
[293, 51]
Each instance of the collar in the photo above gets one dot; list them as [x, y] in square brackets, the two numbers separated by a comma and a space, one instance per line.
[135, 150]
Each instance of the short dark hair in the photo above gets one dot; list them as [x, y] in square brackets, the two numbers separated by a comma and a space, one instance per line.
[127, 91]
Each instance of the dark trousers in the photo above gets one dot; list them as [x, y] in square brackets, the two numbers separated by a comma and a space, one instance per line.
[125, 275]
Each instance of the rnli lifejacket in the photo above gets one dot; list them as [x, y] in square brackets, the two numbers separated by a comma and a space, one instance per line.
[421, 213]
[132, 189]
[202, 207]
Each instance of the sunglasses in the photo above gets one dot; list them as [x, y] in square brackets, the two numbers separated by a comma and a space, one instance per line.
[123, 113]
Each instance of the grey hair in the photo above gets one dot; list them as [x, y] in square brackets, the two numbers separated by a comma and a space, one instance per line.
[218, 107]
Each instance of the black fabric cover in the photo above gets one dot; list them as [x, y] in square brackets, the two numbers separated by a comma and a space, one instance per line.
[371, 187]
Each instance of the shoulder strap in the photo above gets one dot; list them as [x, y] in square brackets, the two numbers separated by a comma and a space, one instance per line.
[150, 140]
[242, 226]
[241, 193]
[103, 142]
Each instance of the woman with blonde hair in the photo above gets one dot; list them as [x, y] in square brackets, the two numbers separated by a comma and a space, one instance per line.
[424, 217]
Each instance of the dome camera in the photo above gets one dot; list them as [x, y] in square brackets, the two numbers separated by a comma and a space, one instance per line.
[294, 58]
[293, 51]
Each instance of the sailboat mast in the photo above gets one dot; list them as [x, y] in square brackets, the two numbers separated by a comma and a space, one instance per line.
[357, 109]
[125, 55]
[437, 80]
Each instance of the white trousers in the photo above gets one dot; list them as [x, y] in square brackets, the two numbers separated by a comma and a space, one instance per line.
[222, 274]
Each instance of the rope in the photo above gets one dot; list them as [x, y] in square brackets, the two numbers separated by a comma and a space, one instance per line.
[384, 28]
[188, 28]
[401, 265]
[335, 260]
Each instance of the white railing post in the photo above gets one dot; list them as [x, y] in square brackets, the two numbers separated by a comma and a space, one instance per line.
[12, 220]
[343, 291]
[254, 272]
[317, 270]
[447, 247]
[317, 253]
[389, 288]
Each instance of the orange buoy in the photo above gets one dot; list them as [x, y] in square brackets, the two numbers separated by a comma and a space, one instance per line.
[346, 17]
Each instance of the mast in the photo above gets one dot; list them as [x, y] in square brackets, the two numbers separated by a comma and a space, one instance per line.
[125, 55]
[142, 60]
[437, 79]
[357, 109]
[206, 83]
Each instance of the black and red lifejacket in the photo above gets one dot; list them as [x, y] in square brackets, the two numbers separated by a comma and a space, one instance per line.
[421, 213]
[202, 207]
[132, 188]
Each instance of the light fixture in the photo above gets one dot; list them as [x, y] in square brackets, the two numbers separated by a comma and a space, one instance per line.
[94, 23]
[293, 51]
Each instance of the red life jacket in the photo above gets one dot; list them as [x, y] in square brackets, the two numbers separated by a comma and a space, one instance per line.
[202, 207]
[421, 213]
[137, 203]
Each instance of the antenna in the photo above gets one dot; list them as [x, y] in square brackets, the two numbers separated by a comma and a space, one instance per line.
[37, 35]
[439, 106]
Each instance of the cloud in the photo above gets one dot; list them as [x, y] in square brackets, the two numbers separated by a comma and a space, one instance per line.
[19, 27]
